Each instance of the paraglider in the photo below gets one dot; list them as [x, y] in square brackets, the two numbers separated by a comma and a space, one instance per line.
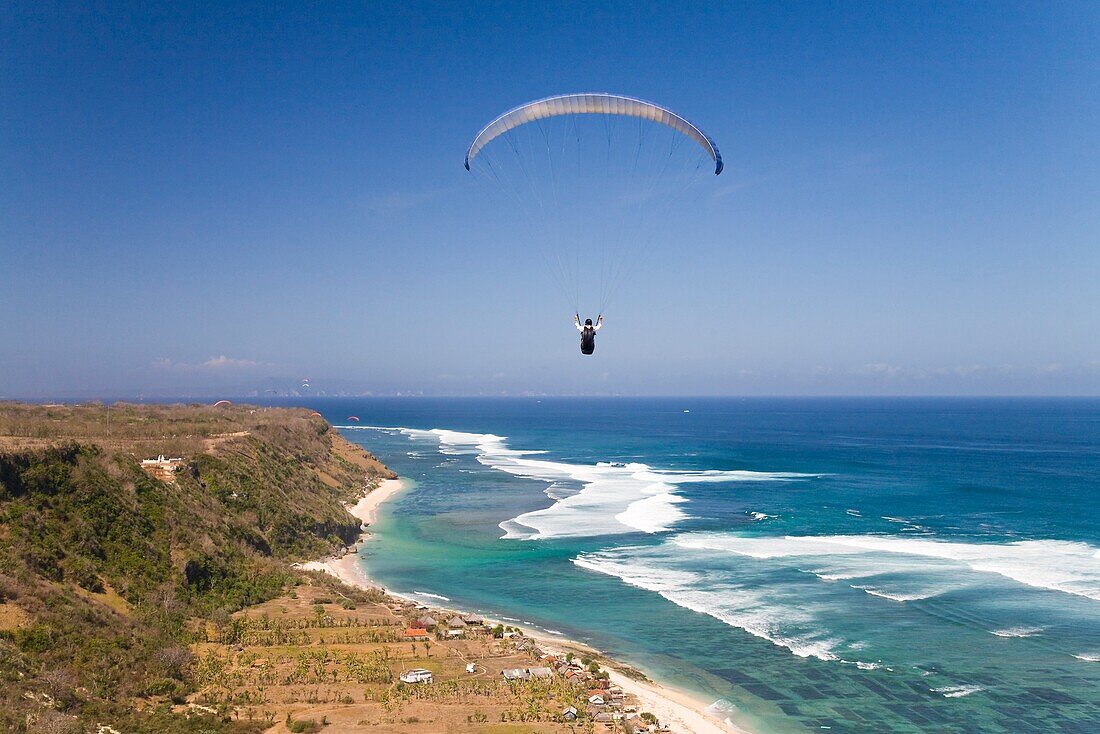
[591, 180]
[588, 332]
[222, 403]
[353, 418]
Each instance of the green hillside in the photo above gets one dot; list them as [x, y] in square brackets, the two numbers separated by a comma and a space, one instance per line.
[107, 573]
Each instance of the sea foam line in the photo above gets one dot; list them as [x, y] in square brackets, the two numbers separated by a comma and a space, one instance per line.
[1068, 567]
[589, 499]
[746, 609]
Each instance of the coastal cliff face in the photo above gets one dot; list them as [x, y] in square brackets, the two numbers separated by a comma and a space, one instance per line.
[109, 568]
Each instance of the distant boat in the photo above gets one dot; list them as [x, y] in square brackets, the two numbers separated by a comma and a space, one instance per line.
[687, 411]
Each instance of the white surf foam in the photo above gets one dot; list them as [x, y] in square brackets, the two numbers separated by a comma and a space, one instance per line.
[1017, 631]
[430, 596]
[898, 597]
[611, 499]
[956, 691]
[1052, 565]
[1089, 657]
[783, 625]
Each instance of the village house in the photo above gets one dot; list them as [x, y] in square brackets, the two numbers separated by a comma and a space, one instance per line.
[427, 621]
[416, 633]
[416, 675]
[540, 672]
[569, 714]
[162, 468]
[511, 674]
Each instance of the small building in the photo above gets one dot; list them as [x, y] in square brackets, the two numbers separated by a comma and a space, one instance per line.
[511, 674]
[427, 621]
[471, 667]
[416, 633]
[540, 672]
[596, 699]
[416, 675]
[456, 622]
[162, 468]
[475, 619]
[602, 717]
[569, 714]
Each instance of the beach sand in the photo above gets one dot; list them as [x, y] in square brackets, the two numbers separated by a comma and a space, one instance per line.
[680, 710]
[346, 567]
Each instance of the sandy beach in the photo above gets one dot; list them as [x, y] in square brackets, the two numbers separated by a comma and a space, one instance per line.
[345, 567]
[683, 712]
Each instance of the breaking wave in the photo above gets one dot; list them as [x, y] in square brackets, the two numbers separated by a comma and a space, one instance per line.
[1018, 631]
[751, 610]
[956, 691]
[1051, 565]
[589, 499]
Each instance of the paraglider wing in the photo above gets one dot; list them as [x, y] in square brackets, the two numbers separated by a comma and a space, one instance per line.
[588, 181]
[353, 418]
[593, 103]
[220, 403]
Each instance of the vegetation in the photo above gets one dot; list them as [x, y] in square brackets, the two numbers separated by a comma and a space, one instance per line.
[108, 575]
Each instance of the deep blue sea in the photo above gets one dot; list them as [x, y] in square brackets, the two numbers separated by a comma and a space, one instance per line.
[859, 565]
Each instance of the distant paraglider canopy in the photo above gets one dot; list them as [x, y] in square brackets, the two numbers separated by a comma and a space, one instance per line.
[591, 181]
[353, 418]
[221, 403]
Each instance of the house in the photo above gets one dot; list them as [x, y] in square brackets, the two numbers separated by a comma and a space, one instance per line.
[416, 675]
[511, 674]
[416, 633]
[456, 622]
[473, 619]
[595, 698]
[540, 673]
[427, 621]
[471, 667]
[162, 468]
[602, 717]
[569, 714]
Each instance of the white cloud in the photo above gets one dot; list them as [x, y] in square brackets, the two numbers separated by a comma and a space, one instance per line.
[879, 368]
[220, 363]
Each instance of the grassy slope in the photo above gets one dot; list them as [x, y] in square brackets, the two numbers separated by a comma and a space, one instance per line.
[106, 574]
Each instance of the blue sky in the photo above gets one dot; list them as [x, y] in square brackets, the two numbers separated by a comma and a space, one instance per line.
[215, 199]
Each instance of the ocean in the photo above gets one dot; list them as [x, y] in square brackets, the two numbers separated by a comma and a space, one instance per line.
[853, 565]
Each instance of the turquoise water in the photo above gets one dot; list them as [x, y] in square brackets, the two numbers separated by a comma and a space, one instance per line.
[863, 565]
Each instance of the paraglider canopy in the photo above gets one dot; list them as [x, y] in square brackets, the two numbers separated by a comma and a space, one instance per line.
[221, 403]
[589, 181]
[599, 103]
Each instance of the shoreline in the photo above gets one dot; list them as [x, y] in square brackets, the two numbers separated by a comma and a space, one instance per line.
[679, 709]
